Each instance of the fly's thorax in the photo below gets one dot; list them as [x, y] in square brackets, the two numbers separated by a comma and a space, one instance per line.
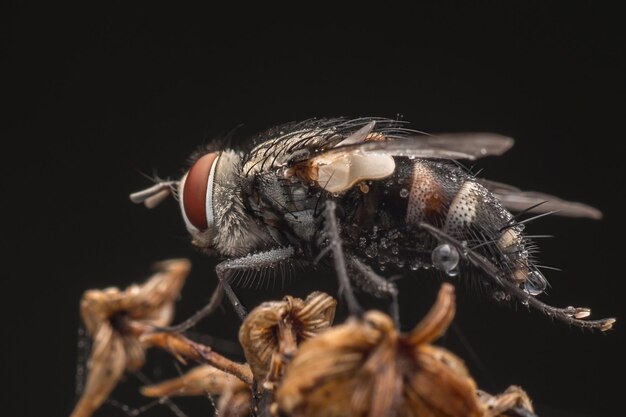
[211, 200]
[285, 204]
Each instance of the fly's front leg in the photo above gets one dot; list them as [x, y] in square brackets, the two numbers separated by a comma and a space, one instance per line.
[223, 269]
[331, 233]
[372, 283]
[253, 261]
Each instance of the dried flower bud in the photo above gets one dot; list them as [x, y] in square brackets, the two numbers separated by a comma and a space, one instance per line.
[366, 368]
[115, 319]
[272, 331]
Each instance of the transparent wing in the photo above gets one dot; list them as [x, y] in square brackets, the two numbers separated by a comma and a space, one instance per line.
[517, 200]
[447, 146]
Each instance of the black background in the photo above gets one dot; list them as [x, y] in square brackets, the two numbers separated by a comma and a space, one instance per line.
[98, 94]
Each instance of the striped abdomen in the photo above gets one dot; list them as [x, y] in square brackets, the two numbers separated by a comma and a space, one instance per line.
[444, 195]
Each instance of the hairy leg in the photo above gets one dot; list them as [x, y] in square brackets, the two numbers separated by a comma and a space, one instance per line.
[224, 269]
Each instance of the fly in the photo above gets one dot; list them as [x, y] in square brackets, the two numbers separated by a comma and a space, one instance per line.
[379, 198]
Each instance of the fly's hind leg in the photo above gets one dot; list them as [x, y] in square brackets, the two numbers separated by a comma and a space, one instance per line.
[570, 315]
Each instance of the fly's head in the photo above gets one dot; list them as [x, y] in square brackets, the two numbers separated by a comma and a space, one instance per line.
[211, 197]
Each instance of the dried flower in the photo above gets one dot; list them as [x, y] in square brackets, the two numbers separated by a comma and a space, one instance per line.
[366, 368]
[271, 333]
[114, 319]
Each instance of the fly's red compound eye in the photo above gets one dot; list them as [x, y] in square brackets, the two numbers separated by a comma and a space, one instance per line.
[196, 190]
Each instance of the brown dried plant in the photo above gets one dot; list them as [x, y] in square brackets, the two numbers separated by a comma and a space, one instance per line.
[366, 368]
[269, 336]
[271, 333]
[298, 365]
[115, 318]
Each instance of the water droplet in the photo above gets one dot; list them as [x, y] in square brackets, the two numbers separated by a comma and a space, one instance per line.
[453, 272]
[535, 283]
[372, 250]
[383, 243]
[395, 249]
[404, 193]
[400, 263]
[362, 242]
[499, 296]
[381, 267]
[445, 258]
[415, 265]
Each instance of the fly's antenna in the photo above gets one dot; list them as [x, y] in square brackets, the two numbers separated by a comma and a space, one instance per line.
[155, 195]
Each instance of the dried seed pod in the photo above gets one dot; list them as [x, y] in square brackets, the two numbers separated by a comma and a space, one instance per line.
[272, 331]
[366, 368]
[115, 319]
[235, 395]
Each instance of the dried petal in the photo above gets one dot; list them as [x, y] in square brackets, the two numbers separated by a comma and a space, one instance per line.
[499, 405]
[105, 367]
[202, 380]
[271, 332]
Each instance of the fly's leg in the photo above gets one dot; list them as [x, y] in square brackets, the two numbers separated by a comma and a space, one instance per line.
[331, 233]
[214, 302]
[571, 315]
[224, 269]
[257, 261]
[369, 281]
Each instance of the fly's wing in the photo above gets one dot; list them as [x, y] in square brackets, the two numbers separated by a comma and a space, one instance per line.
[316, 142]
[448, 146]
[517, 200]
[371, 157]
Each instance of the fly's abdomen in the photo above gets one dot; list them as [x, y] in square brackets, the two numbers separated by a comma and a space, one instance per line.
[444, 195]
